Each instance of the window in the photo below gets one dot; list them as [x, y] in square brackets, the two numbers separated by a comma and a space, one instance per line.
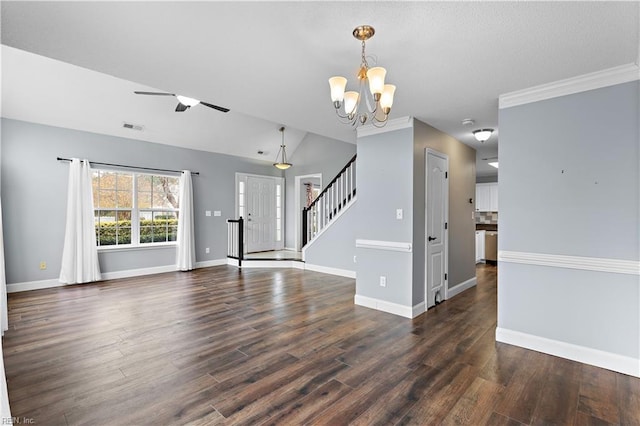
[278, 212]
[134, 208]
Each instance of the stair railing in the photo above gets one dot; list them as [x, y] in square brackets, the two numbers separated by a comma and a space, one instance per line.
[335, 196]
[235, 239]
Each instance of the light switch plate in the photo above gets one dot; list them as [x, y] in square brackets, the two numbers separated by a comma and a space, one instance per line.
[207, 213]
[217, 213]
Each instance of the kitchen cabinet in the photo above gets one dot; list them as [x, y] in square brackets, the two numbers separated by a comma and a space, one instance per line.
[480, 244]
[487, 197]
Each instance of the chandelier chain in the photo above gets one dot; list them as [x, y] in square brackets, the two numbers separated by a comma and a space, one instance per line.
[364, 57]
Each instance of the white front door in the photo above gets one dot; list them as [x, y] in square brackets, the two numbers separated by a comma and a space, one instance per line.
[261, 214]
[437, 200]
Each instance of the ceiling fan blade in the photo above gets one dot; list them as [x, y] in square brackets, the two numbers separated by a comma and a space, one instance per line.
[154, 93]
[219, 108]
[490, 158]
[181, 107]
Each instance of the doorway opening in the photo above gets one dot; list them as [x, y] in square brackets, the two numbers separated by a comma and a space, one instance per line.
[306, 189]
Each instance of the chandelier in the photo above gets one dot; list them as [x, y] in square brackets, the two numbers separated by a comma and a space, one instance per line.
[379, 98]
[281, 159]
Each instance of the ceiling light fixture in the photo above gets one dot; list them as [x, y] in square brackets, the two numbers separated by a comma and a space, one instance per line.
[494, 164]
[184, 100]
[379, 101]
[482, 135]
[283, 164]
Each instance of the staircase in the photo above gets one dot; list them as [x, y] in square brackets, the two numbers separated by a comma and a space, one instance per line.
[333, 200]
[321, 213]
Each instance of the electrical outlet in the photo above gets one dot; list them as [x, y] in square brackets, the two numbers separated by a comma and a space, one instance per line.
[399, 214]
[43, 265]
[383, 281]
[206, 250]
[354, 259]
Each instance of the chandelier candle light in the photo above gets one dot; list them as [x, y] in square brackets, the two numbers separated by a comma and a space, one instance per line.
[281, 160]
[379, 101]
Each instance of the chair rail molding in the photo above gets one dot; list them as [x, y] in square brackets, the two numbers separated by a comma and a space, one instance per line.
[616, 266]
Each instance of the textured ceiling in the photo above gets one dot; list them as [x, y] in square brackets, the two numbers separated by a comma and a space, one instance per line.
[269, 61]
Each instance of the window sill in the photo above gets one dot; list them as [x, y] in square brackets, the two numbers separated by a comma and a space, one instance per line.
[128, 247]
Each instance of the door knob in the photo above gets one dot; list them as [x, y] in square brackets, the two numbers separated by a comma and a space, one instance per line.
[431, 238]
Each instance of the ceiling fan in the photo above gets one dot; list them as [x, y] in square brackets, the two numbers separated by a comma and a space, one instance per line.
[184, 102]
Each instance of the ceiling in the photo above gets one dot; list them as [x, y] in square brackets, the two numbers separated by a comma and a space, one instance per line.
[269, 63]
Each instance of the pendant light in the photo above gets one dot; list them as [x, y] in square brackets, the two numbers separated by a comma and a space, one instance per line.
[281, 159]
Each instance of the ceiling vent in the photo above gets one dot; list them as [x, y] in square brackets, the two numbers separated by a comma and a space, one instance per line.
[133, 126]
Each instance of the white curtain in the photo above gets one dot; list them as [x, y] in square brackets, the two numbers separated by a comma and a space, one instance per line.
[80, 252]
[186, 253]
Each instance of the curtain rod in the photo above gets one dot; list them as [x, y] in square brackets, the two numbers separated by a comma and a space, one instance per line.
[130, 167]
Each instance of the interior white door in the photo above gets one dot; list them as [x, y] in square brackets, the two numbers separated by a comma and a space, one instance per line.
[261, 214]
[436, 227]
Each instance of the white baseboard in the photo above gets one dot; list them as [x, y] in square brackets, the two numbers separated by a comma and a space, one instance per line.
[37, 285]
[210, 263]
[33, 285]
[389, 307]
[418, 309]
[459, 288]
[249, 263]
[608, 360]
[332, 271]
[138, 272]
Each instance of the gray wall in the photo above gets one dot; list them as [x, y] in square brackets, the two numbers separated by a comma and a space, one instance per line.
[462, 225]
[315, 154]
[570, 185]
[391, 175]
[385, 183]
[34, 192]
[336, 247]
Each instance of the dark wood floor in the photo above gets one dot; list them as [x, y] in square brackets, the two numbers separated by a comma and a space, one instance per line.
[218, 346]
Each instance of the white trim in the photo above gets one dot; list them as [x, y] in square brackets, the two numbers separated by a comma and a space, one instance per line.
[384, 306]
[582, 83]
[38, 285]
[608, 360]
[418, 309]
[210, 263]
[328, 270]
[616, 266]
[232, 262]
[327, 226]
[459, 288]
[34, 285]
[394, 124]
[138, 272]
[384, 245]
[134, 247]
[257, 263]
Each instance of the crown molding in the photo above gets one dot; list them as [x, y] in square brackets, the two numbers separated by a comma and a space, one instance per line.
[394, 124]
[581, 83]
